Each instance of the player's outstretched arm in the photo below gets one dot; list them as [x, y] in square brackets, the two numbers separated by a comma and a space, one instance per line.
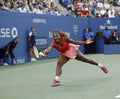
[77, 42]
[89, 41]
[49, 49]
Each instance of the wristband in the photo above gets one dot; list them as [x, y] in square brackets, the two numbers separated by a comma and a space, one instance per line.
[84, 42]
[44, 52]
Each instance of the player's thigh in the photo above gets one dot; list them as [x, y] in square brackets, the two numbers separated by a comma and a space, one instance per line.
[62, 59]
[80, 56]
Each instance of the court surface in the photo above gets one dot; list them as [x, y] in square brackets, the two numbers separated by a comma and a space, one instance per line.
[32, 80]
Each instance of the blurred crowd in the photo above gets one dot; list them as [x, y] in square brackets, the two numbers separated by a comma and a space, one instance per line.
[75, 8]
[92, 8]
[31, 6]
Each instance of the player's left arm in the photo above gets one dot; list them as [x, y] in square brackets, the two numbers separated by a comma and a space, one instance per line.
[77, 42]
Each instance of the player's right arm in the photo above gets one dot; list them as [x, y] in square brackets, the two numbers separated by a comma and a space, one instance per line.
[49, 49]
[29, 37]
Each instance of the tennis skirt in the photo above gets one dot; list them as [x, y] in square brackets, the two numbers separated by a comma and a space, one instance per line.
[72, 51]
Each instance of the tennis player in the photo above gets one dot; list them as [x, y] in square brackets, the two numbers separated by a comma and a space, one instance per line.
[69, 49]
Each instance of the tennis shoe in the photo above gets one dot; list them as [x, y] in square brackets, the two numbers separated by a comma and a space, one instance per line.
[56, 83]
[5, 64]
[104, 69]
[33, 59]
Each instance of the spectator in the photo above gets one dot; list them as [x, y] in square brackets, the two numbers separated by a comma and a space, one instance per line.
[117, 13]
[107, 35]
[25, 7]
[106, 5]
[118, 2]
[52, 5]
[87, 37]
[37, 9]
[97, 13]
[78, 3]
[22, 9]
[103, 12]
[114, 37]
[9, 50]
[99, 4]
[90, 12]
[84, 11]
[71, 13]
[115, 2]
[1, 4]
[111, 13]
[14, 9]
[92, 37]
[52, 11]
[58, 11]
[78, 11]
[32, 42]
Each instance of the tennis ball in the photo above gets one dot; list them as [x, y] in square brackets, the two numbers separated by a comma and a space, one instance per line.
[41, 54]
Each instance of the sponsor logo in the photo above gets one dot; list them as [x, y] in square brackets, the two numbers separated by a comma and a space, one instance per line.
[42, 21]
[41, 41]
[20, 60]
[75, 29]
[109, 24]
[50, 35]
[8, 32]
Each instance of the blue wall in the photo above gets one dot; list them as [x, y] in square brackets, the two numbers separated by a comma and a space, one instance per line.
[99, 24]
[13, 24]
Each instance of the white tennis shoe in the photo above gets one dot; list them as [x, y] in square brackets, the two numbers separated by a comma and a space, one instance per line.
[5, 64]
[33, 59]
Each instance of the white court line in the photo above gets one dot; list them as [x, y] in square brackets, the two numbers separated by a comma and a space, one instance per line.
[117, 97]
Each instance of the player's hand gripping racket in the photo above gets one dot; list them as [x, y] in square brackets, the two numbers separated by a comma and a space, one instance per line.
[41, 54]
[37, 53]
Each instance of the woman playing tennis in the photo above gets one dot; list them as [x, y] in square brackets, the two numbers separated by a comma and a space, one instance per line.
[69, 49]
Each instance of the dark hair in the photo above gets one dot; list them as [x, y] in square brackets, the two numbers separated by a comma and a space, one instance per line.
[32, 27]
[61, 33]
[90, 29]
[56, 32]
[106, 28]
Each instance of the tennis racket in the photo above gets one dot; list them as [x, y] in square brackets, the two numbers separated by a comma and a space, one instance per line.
[36, 52]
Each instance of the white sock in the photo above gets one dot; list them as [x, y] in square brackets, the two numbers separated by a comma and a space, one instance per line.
[100, 65]
[57, 77]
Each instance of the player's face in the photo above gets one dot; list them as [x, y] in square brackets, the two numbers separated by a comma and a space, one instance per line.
[33, 29]
[56, 37]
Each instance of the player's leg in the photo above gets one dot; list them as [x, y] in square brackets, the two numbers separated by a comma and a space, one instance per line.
[1, 56]
[5, 56]
[61, 61]
[83, 58]
[32, 54]
[14, 61]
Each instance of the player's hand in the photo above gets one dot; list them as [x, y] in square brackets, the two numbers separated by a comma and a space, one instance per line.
[89, 41]
[41, 54]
